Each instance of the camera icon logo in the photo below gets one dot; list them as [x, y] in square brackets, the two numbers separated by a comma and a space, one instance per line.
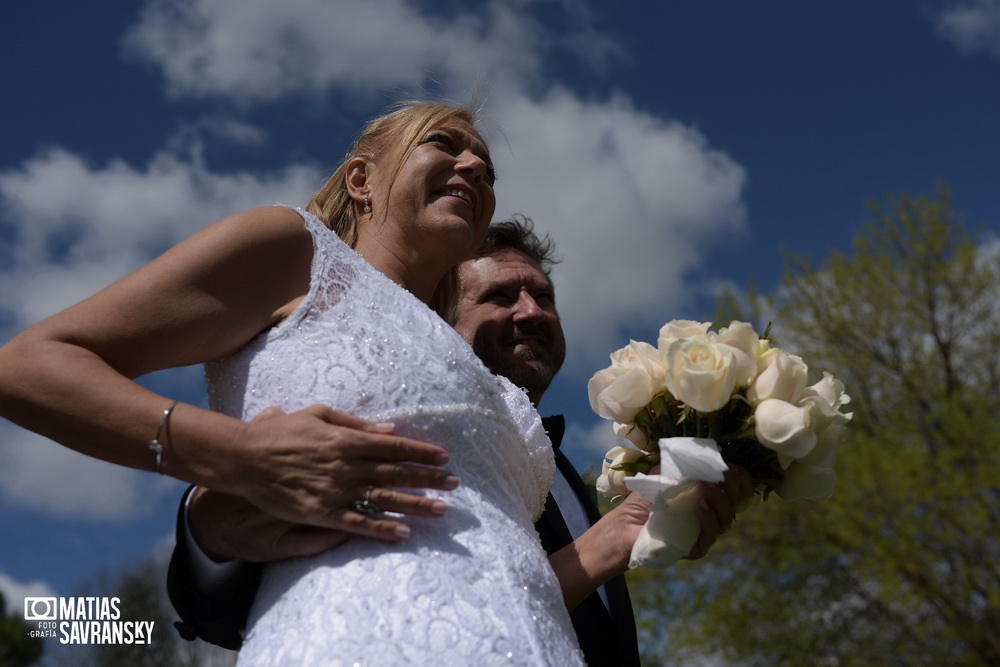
[40, 609]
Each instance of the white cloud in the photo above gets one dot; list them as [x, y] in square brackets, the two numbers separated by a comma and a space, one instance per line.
[588, 445]
[262, 50]
[640, 196]
[972, 25]
[989, 249]
[15, 591]
[43, 476]
[189, 138]
[633, 202]
[77, 227]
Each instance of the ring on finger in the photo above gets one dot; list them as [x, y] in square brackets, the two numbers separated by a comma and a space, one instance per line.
[367, 505]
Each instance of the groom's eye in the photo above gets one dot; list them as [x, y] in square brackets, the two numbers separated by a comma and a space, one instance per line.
[544, 298]
[498, 296]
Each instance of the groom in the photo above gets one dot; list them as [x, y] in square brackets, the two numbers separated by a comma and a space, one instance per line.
[506, 311]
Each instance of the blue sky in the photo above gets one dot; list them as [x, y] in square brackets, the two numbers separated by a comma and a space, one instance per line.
[668, 147]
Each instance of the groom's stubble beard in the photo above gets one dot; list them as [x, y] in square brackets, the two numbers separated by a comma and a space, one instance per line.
[531, 369]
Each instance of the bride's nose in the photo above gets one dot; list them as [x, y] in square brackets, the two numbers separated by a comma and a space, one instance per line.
[470, 164]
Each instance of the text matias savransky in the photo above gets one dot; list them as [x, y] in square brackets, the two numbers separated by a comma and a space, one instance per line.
[84, 620]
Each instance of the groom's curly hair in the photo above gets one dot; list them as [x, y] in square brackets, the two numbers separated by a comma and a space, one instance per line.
[518, 234]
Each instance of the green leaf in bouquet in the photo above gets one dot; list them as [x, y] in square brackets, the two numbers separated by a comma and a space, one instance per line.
[760, 461]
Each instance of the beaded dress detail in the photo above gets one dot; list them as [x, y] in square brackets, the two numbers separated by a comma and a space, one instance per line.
[472, 587]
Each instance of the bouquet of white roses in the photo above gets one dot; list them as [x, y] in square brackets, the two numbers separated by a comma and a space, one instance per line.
[701, 400]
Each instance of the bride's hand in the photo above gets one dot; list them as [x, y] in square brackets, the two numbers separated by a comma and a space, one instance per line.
[314, 467]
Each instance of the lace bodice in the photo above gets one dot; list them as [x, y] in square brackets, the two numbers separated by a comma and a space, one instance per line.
[470, 585]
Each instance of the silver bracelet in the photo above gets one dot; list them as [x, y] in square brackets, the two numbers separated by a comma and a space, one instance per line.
[155, 445]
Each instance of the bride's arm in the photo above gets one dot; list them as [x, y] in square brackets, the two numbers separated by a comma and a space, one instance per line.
[602, 552]
[71, 376]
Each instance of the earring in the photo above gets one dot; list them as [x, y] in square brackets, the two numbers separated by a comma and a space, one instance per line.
[368, 207]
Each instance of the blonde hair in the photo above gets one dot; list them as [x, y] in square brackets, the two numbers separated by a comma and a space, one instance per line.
[403, 126]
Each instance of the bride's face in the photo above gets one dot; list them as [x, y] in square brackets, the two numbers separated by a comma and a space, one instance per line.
[443, 189]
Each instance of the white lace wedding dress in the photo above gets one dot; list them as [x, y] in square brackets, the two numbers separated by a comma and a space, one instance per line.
[471, 588]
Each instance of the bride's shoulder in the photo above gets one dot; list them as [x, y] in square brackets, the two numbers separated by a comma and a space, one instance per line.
[263, 226]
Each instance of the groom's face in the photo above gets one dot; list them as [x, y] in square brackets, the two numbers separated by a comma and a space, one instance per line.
[507, 312]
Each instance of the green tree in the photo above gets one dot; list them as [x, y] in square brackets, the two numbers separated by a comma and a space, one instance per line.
[902, 565]
[17, 648]
[140, 592]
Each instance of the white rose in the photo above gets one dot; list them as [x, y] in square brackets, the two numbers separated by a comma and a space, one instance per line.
[822, 413]
[831, 391]
[784, 427]
[823, 400]
[824, 453]
[744, 340]
[700, 374]
[633, 434]
[629, 384]
[681, 330]
[781, 376]
[811, 476]
[611, 482]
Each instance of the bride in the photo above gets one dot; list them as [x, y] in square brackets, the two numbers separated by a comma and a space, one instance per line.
[472, 585]
[324, 313]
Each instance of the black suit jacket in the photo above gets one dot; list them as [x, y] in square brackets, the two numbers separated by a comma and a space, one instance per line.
[607, 636]
[217, 611]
